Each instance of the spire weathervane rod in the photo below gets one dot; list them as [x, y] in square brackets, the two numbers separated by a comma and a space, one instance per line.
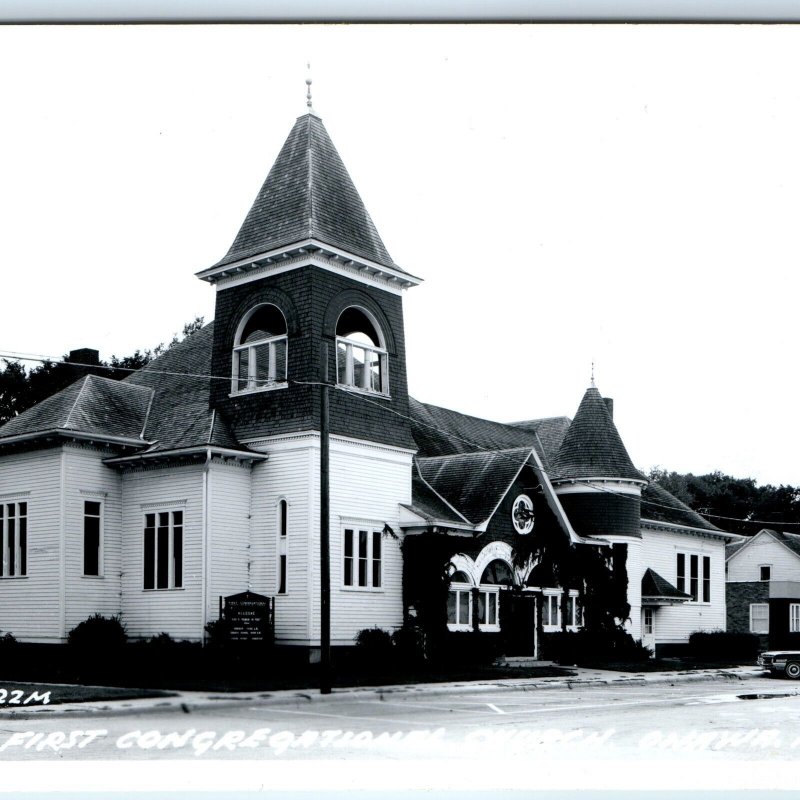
[592, 372]
[308, 88]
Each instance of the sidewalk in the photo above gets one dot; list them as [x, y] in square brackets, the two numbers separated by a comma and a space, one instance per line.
[189, 701]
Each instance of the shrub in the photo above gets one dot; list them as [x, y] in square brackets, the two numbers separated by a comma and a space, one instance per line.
[722, 645]
[218, 633]
[409, 644]
[470, 648]
[98, 633]
[374, 647]
[7, 640]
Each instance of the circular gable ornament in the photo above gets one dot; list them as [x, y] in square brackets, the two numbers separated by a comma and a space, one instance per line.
[522, 514]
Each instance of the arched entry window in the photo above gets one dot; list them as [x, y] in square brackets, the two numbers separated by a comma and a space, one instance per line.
[497, 573]
[361, 360]
[260, 350]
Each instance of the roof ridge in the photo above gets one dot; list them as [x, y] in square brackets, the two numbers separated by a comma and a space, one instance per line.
[75, 402]
[442, 498]
[510, 484]
[474, 453]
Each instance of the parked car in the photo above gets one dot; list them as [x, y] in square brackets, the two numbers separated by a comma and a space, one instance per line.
[785, 661]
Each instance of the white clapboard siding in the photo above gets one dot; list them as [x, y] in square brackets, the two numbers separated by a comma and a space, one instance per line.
[178, 612]
[30, 607]
[228, 502]
[635, 569]
[87, 478]
[368, 483]
[289, 474]
[675, 623]
[764, 550]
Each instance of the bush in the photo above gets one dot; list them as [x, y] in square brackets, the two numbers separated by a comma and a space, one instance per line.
[723, 646]
[593, 647]
[218, 633]
[98, 633]
[374, 647]
[409, 644]
[473, 648]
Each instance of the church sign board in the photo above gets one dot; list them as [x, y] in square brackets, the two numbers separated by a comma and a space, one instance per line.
[249, 616]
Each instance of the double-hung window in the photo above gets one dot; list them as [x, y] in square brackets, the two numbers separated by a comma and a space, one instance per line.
[551, 611]
[459, 607]
[362, 558]
[283, 526]
[488, 608]
[794, 617]
[163, 550]
[693, 576]
[759, 617]
[92, 538]
[14, 535]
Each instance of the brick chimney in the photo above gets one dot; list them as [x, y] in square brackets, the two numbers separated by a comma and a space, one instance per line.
[609, 401]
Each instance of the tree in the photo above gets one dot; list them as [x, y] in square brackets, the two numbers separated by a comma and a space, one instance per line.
[22, 388]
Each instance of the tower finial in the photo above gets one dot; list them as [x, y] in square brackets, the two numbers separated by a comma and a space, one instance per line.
[593, 386]
[308, 88]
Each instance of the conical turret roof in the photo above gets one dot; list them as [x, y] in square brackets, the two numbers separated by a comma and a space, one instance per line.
[309, 194]
[592, 447]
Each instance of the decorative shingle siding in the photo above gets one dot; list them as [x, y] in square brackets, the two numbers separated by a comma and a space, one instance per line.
[311, 299]
[599, 513]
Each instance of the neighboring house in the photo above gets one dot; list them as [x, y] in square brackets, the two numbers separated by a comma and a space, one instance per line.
[763, 587]
[155, 496]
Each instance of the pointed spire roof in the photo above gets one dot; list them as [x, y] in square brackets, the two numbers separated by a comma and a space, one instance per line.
[592, 447]
[309, 194]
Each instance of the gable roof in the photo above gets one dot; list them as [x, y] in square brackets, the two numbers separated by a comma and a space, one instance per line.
[441, 432]
[92, 405]
[432, 507]
[549, 430]
[474, 483]
[308, 194]
[789, 540]
[592, 447]
[660, 505]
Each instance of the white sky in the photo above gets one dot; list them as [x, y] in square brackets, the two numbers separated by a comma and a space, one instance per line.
[622, 194]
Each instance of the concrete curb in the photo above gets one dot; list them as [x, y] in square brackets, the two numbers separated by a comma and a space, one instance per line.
[190, 701]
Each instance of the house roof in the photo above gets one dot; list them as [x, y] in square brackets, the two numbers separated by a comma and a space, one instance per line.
[654, 587]
[308, 194]
[474, 483]
[790, 540]
[592, 447]
[429, 505]
[549, 430]
[179, 380]
[660, 505]
[91, 405]
[441, 432]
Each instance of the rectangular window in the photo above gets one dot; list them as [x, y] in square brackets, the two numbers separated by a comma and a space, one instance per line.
[360, 366]
[282, 575]
[680, 583]
[362, 558]
[551, 611]
[706, 579]
[92, 538]
[14, 535]
[283, 527]
[764, 572]
[573, 612]
[693, 562]
[759, 617]
[163, 550]
[261, 364]
[488, 608]
[648, 622]
[794, 617]
[459, 607]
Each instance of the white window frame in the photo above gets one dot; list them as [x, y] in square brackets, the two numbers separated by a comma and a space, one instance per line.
[794, 617]
[101, 537]
[551, 600]
[491, 600]
[762, 567]
[20, 551]
[349, 366]
[460, 590]
[702, 579]
[374, 532]
[171, 585]
[648, 623]
[283, 533]
[574, 620]
[273, 381]
[764, 618]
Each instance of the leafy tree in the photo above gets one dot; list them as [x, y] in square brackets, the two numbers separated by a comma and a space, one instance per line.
[22, 388]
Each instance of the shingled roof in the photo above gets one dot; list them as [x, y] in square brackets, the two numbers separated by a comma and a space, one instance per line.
[660, 505]
[441, 432]
[308, 194]
[179, 380]
[592, 447]
[92, 405]
[654, 588]
[474, 483]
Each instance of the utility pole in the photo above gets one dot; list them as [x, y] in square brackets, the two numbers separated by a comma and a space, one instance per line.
[324, 533]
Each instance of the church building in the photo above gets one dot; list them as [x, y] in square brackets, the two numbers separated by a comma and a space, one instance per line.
[198, 476]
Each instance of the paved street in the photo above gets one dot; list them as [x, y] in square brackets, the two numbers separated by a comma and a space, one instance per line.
[719, 721]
